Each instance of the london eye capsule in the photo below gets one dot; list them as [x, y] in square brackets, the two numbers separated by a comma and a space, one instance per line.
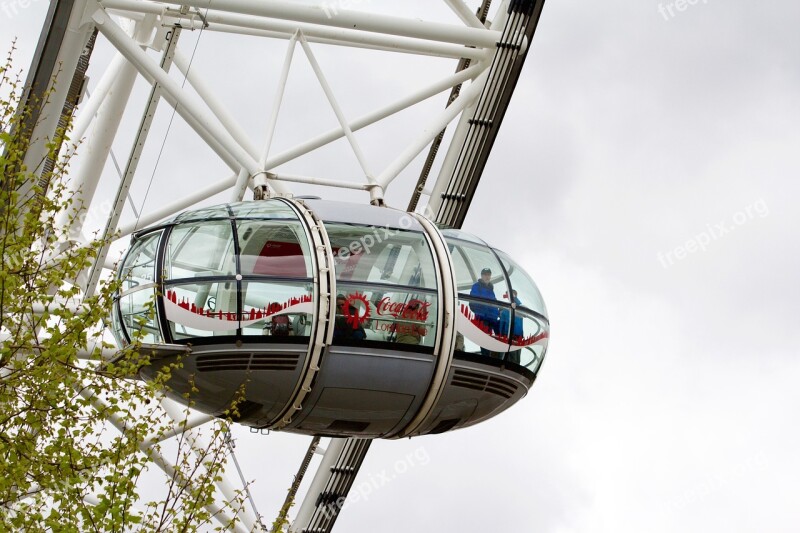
[334, 319]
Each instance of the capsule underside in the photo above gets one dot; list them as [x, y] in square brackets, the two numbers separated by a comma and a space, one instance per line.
[333, 319]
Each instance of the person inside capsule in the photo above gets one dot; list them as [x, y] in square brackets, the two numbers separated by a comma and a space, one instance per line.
[516, 332]
[486, 314]
[409, 330]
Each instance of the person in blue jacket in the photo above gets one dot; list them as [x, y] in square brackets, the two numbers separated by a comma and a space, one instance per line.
[516, 331]
[487, 314]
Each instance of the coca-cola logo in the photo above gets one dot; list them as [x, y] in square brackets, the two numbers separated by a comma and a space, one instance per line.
[412, 310]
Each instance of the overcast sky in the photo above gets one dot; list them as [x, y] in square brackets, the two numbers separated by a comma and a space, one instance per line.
[646, 175]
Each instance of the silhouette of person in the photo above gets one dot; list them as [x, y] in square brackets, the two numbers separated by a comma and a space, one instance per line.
[516, 330]
[410, 332]
[486, 314]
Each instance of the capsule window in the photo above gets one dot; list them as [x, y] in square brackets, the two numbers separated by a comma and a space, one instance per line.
[199, 250]
[139, 316]
[208, 213]
[478, 272]
[262, 210]
[277, 309]
[273, 248]
[140, 264]
[388, 315]
[482, 327]
[381, 255]
[525, 292]
[529, 341]
[201, 309]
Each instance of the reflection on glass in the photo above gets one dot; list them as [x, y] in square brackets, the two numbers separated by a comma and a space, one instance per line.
[481, 333]
[214, 212]
[381, 255]
[276, 309]
[528, 348]
[386, 279]
[520, 337]
[211, 309]
[139, 316]
[202, 309]
[268, 209]
[117, 327]
[478, 272]
[376, 314]
[462, 235]
[276, 249]
[140, 264]
[196, 250]
[525, 291]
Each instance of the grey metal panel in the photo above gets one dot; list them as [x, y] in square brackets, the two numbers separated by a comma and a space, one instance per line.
[397, 380]
[475, 392]
[345, 412]
[363, 214]
[269, 378]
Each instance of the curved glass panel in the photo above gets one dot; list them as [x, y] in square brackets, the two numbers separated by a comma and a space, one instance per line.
[263, 209]
[381, 255]
[277, 309]
[463, 235]
[478, 272]
[520, 337]
[117, 328]
[369, 313]
[201, 309]
[139, 317]
[139, 267]
[367, 215]
[525, 291]
[479, 328]
[200, 249]
[273, 248]
[529, 343]
[214, 212]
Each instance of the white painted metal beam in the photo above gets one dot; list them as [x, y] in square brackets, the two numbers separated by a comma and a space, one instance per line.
[432, 129]
[464, 13]
[375, 192]
[217, 138]
[188, 200]
[330, 16]
[282, 29]
[376, 116]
